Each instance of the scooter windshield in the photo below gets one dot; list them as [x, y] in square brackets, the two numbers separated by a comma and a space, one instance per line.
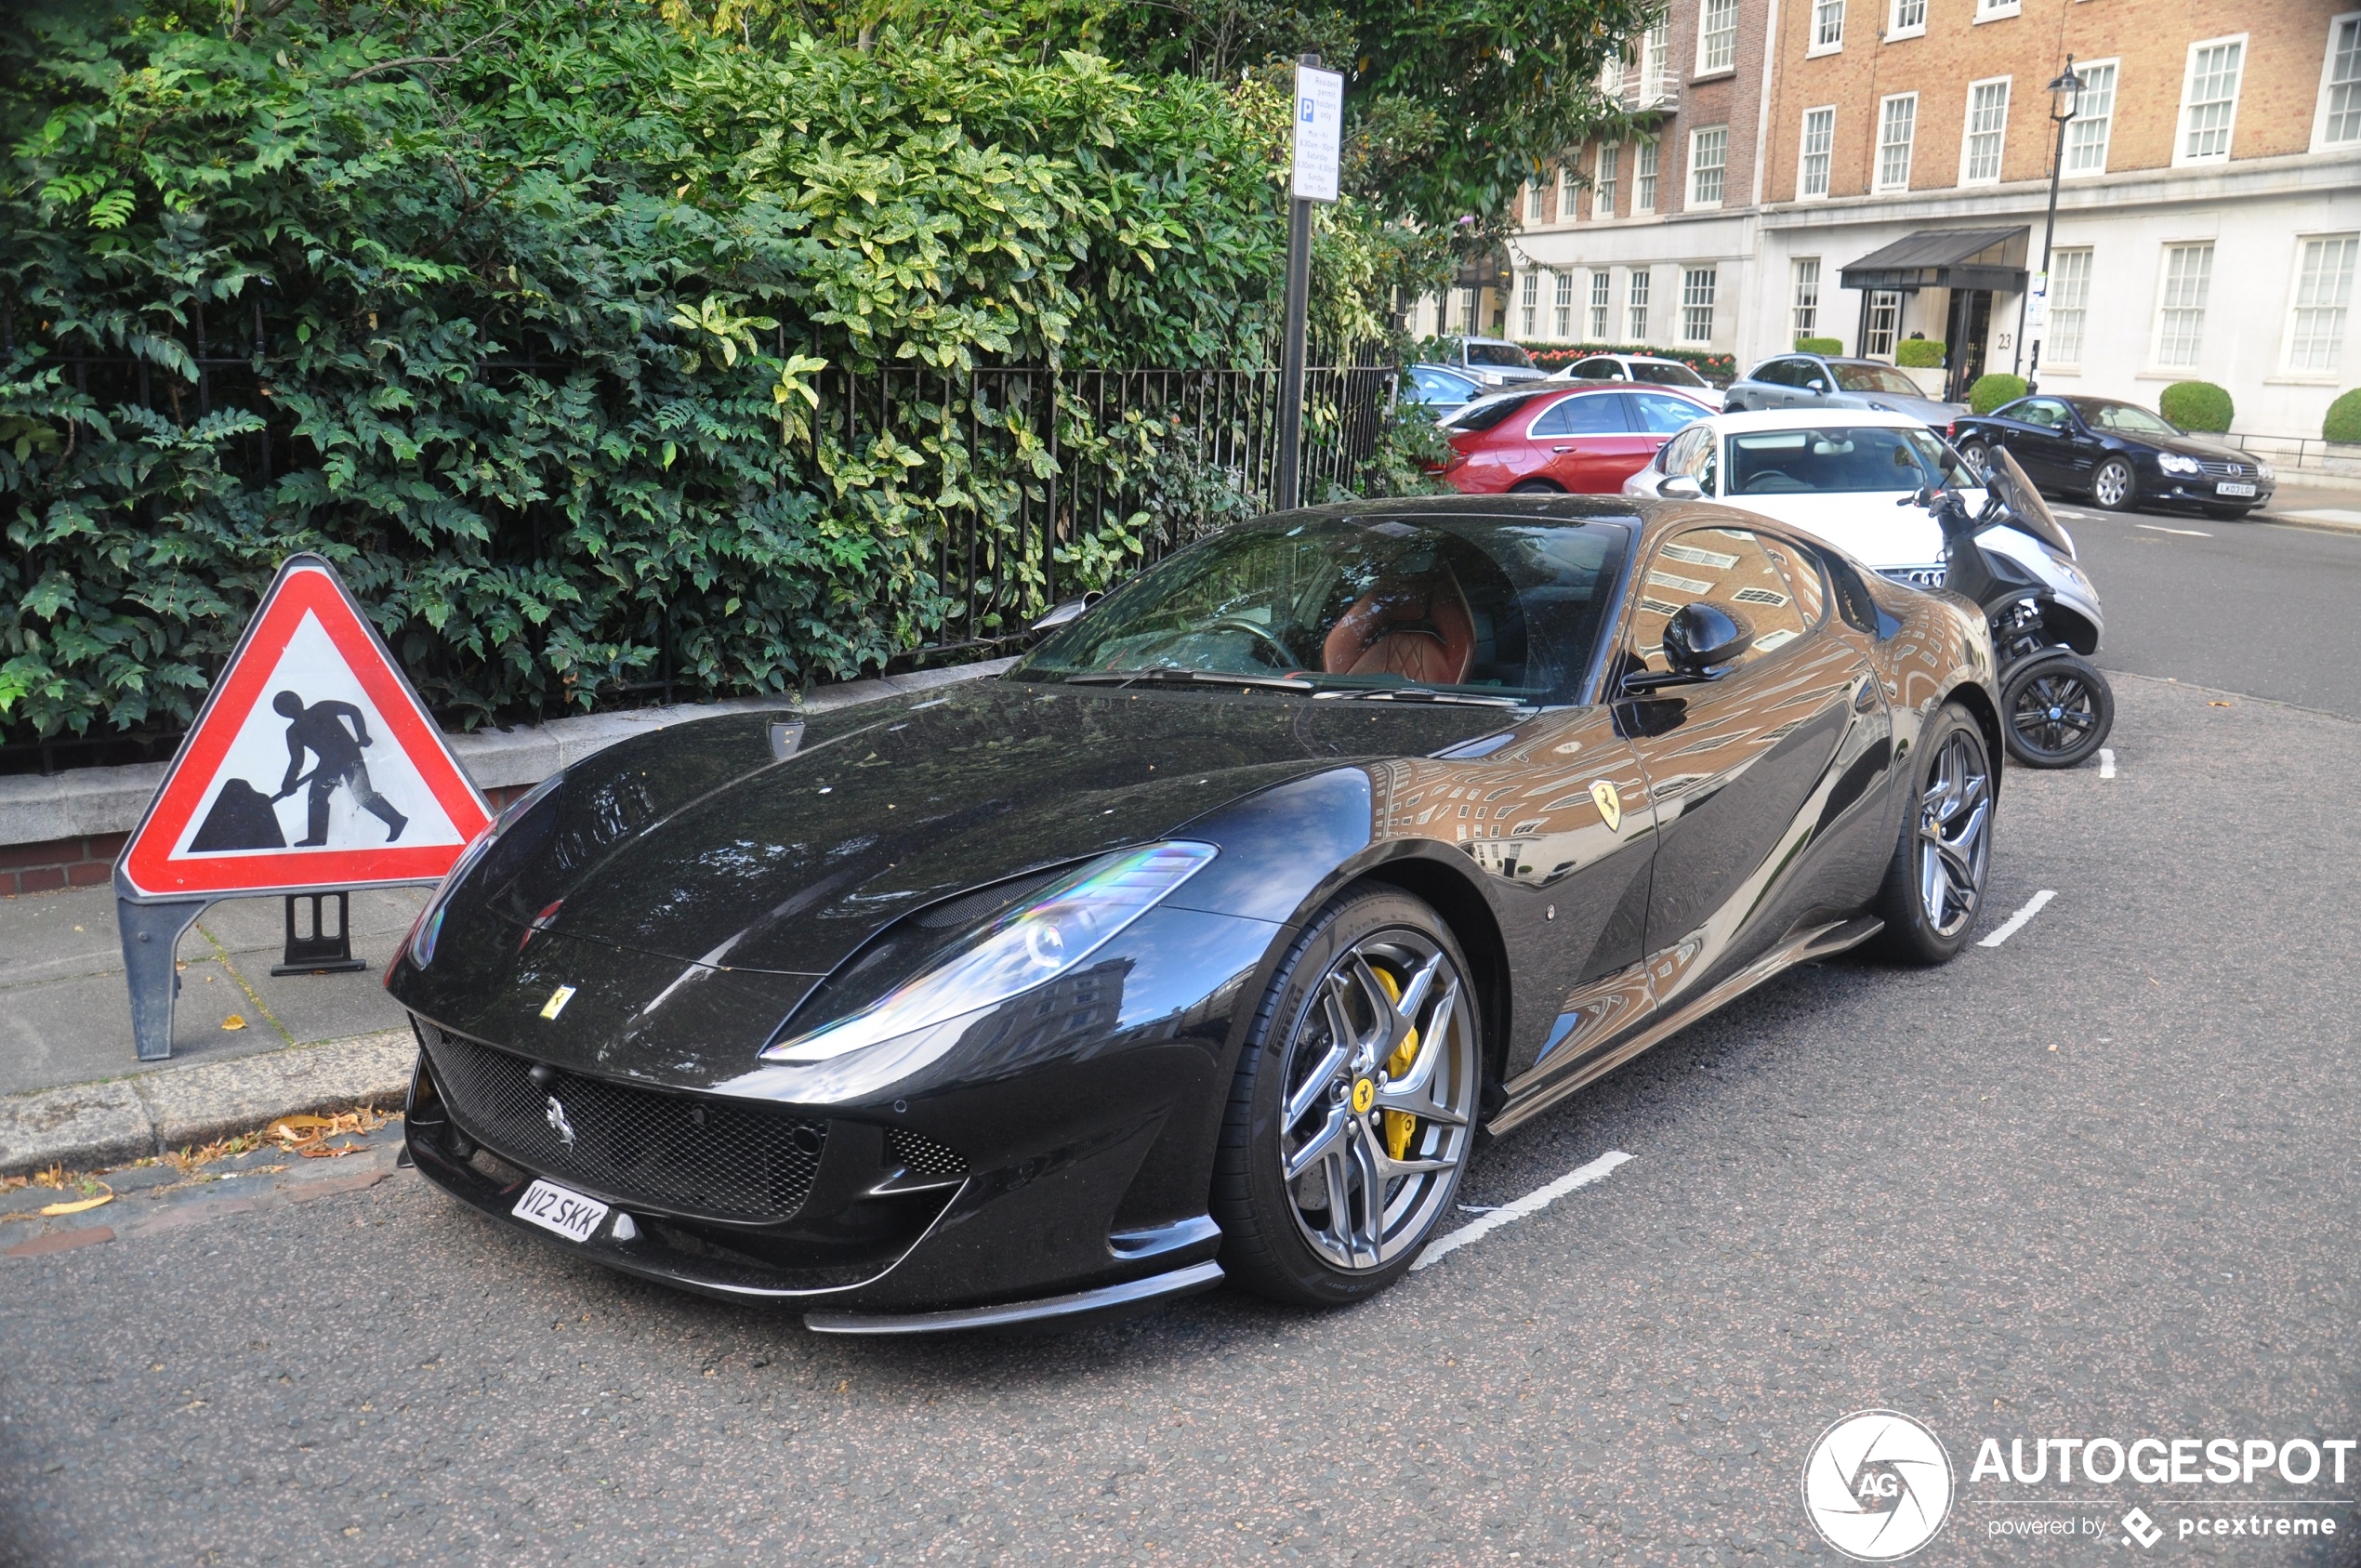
[2018, 498]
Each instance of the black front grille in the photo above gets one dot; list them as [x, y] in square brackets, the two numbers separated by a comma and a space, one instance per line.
[726, 1158]
[922, 1155]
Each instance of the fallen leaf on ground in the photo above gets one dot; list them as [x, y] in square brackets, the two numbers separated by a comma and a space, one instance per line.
[293, 1132]
[52, 1210]
[219, 1149]
[234, 1020]
[2217, 704]
[337, 1153]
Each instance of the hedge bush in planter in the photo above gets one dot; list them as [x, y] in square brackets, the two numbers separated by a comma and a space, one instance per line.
[2197, 405]
[2343, 423]
[1819, 346]
[1990, 391]
[1919, 353]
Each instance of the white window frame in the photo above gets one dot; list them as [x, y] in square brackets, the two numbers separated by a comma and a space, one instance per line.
[1569, 191]
[1645, 166]
[1896, 28]
[1529, 305]
[2344, 308]
[1910, 144]
[1609, 171]
[1638, 297]
[1826, 23]
[1968, 132]
[1803, 191]
[2320, 142]
[1718, 137]
[1535, 203]
[1884, 324]
[2106, 133]
[1601, 301]
[2061, 306]
[1656, 64]
[1804, 298]
[1710, 37]
[2204, 307]
[1564, 306]
[1997, 11]
[1695, 297]
[2181, 157]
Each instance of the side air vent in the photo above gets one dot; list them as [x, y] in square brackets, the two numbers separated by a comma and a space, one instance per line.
[923, 1155]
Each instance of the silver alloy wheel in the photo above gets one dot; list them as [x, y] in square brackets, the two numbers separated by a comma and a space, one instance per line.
[1954, 834]
[1977, 457]
[2110, 486]
[1380, 1090]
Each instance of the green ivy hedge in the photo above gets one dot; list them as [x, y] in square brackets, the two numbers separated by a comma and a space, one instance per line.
[549, 292]
[1822, 346]
[1919, 353]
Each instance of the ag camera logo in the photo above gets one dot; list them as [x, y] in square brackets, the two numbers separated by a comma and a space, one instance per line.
[1877, 1485]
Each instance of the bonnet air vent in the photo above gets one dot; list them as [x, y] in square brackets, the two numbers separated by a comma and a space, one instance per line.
[971, 908]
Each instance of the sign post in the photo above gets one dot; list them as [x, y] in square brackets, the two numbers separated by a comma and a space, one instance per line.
[311, 767]
[1319, 145]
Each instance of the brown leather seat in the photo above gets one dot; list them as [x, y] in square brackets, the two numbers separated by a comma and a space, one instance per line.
[1416, 628]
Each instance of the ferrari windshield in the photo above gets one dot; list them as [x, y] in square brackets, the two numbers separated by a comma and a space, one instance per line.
[1469, 606]
[1838, 458]
[1875, 378]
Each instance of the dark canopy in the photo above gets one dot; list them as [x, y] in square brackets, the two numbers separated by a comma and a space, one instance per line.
[1945, 259]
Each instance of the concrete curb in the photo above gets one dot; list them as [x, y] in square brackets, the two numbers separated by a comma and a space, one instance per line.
[117, 1120]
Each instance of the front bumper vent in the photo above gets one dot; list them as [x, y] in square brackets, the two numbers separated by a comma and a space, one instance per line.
[688, 1154]
[922, 1155]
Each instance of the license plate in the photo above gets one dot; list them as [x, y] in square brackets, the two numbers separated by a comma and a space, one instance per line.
[2226, 488]
[553, 1208]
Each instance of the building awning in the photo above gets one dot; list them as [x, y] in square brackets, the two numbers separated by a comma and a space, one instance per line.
[1945, 259]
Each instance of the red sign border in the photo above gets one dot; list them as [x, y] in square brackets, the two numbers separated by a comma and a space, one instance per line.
[305, 583]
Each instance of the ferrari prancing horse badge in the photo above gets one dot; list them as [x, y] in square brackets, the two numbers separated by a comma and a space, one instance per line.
[1610, 804]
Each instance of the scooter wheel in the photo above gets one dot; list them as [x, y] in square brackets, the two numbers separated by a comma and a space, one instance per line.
[2055, 710]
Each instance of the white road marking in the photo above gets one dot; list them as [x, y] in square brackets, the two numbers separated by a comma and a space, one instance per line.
[1532, 1202]
[2159, 528]
[2015, 923]
[2107, 763]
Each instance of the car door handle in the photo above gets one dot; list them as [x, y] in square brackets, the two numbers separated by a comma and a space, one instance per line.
[1866, 697]
[1562, 449]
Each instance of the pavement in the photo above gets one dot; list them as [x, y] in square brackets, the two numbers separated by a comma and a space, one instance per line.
[247, 1045]
[2092, 1181]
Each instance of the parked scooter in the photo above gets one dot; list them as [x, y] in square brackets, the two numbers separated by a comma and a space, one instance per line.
[2056, 708]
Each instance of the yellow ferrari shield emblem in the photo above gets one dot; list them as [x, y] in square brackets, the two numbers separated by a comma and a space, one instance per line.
[1610, 804]
[1365, 1094]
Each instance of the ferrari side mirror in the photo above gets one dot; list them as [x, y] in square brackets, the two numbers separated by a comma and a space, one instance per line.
[1680, 487]
[1700, 636]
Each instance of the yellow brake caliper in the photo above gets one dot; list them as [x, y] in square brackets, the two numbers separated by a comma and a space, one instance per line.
[1399, 1124]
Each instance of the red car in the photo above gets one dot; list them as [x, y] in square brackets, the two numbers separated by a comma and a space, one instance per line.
[1587, 437]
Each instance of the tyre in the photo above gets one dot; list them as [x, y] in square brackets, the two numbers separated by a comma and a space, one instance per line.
[1975, 454]
[1934, 884]
[2114, 486]
[1535, 487]
[2055, 710]
[1353, 1113]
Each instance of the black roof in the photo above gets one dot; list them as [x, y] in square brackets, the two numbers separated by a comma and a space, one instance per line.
[1945, 259]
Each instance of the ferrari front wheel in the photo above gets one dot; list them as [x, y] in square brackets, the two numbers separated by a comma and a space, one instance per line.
[1353, 1110]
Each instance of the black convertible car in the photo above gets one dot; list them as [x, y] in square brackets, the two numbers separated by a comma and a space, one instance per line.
[2117, 454]
[1208, 940]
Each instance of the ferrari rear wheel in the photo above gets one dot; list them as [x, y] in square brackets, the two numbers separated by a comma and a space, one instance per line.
[1353, 1111]
[1935, 885]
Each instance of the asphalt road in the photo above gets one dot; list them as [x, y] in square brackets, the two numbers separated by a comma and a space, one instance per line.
[2093, 1182]
[2261, 606]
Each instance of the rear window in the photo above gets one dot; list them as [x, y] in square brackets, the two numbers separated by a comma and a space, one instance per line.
[1484, 415]
[1500, 353]
[1665, 375]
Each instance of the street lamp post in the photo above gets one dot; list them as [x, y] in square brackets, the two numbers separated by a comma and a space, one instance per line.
[2066, 99]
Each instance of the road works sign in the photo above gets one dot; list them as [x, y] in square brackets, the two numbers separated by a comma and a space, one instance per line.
[312, 764]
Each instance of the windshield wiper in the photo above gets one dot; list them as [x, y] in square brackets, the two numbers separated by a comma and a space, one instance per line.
[1164, 675]
[1421, 694]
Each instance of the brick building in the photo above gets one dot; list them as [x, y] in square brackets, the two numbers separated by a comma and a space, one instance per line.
[1869, 169]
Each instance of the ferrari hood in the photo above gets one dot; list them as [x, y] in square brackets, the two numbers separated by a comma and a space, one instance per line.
[702, 849]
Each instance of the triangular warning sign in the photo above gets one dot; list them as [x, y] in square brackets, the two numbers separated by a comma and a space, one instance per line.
[312, 764]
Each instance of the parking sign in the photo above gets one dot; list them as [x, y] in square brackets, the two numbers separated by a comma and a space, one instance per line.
[1319, 132]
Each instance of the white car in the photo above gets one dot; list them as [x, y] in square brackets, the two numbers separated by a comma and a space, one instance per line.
[1841, 473]
[1637, 367]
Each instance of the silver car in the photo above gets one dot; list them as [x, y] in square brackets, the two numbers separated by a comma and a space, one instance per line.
[1490, 361]
[1810, 381]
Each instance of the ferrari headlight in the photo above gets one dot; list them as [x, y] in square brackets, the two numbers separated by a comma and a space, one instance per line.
[428, 931]
[2173, 463]
[1050, 934]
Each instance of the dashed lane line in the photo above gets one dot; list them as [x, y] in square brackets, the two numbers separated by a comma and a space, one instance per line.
[2159, 528]
[2015, 923]
[1531, 1203]
[2107, 763]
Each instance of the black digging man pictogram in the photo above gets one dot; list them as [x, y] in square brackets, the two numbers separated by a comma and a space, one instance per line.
[320, 728]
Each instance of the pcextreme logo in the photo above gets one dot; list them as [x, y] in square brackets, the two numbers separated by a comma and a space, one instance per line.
[1877, 1485]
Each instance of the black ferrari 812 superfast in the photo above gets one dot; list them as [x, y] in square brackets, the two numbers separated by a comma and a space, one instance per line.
[1207, 940]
